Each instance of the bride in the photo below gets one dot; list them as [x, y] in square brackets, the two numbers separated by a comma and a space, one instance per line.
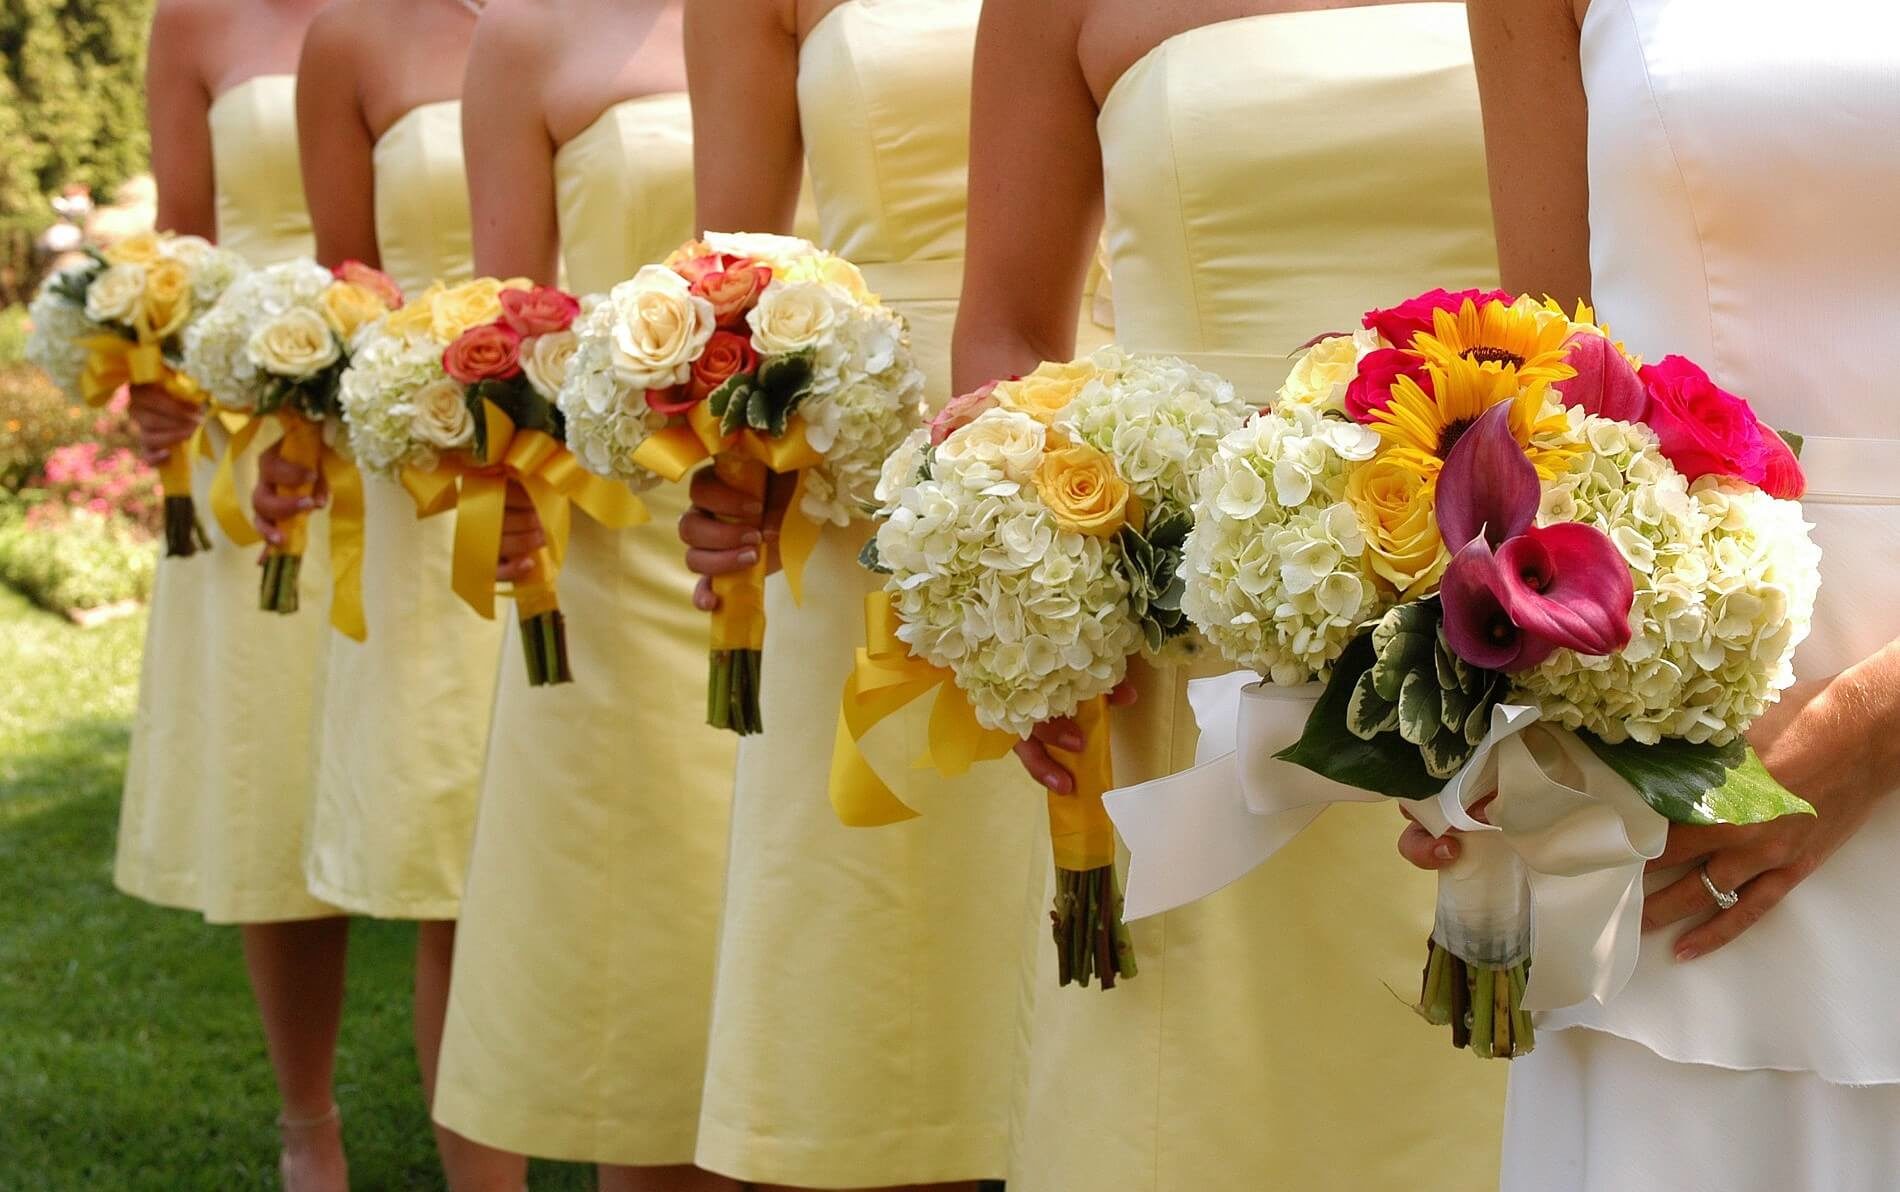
[1756, 1046]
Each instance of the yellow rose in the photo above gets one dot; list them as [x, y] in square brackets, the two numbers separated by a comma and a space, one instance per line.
[346, 306]
[166, 303]
[417, 315]
[1393, 498]
[459, 308]
[139, 249]
[295, 344]
[1047, 392]
[1083, 491]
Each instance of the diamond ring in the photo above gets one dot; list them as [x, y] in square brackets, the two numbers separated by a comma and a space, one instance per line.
[1724, 899]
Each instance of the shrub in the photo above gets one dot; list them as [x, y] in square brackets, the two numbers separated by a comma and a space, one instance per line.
[105, 481]
[36, 419]
[13, 332]
[85, 561]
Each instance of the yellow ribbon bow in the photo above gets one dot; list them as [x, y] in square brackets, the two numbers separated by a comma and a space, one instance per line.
[303, 445]
[477, 489]
[112, 361]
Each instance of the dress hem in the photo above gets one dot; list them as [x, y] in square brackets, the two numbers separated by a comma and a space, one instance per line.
[901, 1158]
[183, 895]
[438, 911]
[1676, 1057]
[547, 1136]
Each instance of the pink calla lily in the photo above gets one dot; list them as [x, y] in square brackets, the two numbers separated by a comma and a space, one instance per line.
[1606, 383]
[1568, 585]
[1488, 487]
[1477, 625]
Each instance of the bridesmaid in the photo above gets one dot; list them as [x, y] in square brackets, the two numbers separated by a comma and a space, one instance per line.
[1259, 1046]
[1756, 1046]
[405, 714]
[584, 963]
[864, 1023]
[216, 795]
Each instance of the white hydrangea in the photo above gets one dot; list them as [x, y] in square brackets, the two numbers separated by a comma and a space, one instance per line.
[213, 270]
[384, 373]
[1161, 419]
[58, 326]
[1276, 568]
[607, 419]
[867, 394]
[1725, 577]
[217, 351]
[1032, 619]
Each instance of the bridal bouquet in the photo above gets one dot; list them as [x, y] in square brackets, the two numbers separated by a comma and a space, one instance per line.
[1030, 540]
[769, 357]
[1522, 564]
[119, 318]
[454, 395]
[274, 348]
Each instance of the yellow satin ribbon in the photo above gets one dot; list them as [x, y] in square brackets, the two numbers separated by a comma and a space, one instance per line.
[303, 445]
[1080, 833]
[478, 492]
[113, 361]
[886, 678]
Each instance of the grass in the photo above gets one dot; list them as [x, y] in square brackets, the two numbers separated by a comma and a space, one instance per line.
[130, 1056]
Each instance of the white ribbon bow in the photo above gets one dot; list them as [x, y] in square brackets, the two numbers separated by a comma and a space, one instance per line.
[1582, 831]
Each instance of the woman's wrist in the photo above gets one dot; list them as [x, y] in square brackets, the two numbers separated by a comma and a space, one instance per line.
[1864, 700]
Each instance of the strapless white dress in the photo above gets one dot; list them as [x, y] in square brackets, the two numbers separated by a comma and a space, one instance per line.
[1743, 170]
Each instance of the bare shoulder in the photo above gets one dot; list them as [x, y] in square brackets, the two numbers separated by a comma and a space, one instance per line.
[516, 36]
[339, 33]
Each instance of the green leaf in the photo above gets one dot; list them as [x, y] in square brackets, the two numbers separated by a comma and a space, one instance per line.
[1700, 784]
[1795, 442]
[1385, 765]
[868, 557]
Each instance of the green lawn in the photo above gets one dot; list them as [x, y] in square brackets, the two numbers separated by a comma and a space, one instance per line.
[130, 1056]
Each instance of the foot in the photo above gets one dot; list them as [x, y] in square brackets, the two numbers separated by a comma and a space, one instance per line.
[312, 1158]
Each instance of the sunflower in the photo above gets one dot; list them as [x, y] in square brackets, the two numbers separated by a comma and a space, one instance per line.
[1521, 337]
[1421, 427]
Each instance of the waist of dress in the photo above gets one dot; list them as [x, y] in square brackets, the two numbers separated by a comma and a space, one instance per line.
[1855, 471]
[1256, 376]
[915, 281]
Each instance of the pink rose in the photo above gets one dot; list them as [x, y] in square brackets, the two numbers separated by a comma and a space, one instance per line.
[540, 311]
[677, 400]
[490, 352]
[731, 284]
[1606, 384]
[959, 412]
[372, 279]
[1400, 323]
[1378, 372]
[1708, 431]
[726, 356]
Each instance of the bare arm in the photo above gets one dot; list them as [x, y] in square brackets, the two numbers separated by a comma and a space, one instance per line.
[177, 107]
[1536, 121]
[1034, 215]
[509, 153]
[334, 140]
[748, 154]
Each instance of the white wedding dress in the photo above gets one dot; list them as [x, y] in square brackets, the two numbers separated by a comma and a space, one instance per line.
[1744, 172]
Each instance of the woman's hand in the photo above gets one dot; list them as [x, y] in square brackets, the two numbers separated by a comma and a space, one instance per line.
[1823, 742]
[275, 499]
[1063, 733]
[521, 536]
[162, 421]
[726, 529]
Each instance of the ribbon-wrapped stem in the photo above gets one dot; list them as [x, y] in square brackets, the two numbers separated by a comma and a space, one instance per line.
[1478, 962]
[301, 445]
[112, 362]
[1092, 943]
[738, 626]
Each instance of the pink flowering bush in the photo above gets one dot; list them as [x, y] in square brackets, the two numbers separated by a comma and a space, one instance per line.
[107, 482]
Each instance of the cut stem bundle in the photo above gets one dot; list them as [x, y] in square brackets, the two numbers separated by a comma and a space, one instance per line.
[1483, 1004]
[184, 534]
[1091, 940]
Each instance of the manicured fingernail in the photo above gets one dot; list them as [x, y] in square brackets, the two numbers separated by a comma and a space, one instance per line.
[1444, 850]
[306, 504]
[1072, 741]
[1686, 952]
[750, 538]
[752, 507]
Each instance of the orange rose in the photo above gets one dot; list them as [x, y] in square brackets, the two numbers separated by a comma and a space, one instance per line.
[372, 279]
[733, 288]
[540, 311]
[726, 356]
[490, 352]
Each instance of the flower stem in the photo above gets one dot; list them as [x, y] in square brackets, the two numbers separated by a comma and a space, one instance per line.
[732, 691]
[1482, 1003]
[544, 643]
[277, 592]
[1091, 940]
[184, 535]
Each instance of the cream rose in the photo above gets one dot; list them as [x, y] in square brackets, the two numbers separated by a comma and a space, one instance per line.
[295, 344]
[113, 296]
[831, 271]
[441, 418]
[1000, 445]
[776, 251]
[791, 318]
[659, 328]
[189, 251]
[545, 361]
[1328, 367]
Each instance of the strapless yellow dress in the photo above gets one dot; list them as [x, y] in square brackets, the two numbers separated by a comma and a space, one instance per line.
[865, 1020]
[218, 784]
[404, 722]
[1266, 1042]
[584, 959]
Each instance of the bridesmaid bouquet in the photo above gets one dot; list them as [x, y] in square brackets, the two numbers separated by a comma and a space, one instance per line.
[119, 318]
[1030, 541]
[769, 357]
[454, 395]
[1523, 565]
[274, 348]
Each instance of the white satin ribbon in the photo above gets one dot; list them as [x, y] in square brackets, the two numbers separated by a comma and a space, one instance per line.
[1582, 831]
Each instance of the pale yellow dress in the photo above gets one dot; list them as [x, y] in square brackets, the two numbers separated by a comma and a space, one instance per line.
[864, 1024]
[1270, 178]
[218, 784]
[405, 714]
[584, 959]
